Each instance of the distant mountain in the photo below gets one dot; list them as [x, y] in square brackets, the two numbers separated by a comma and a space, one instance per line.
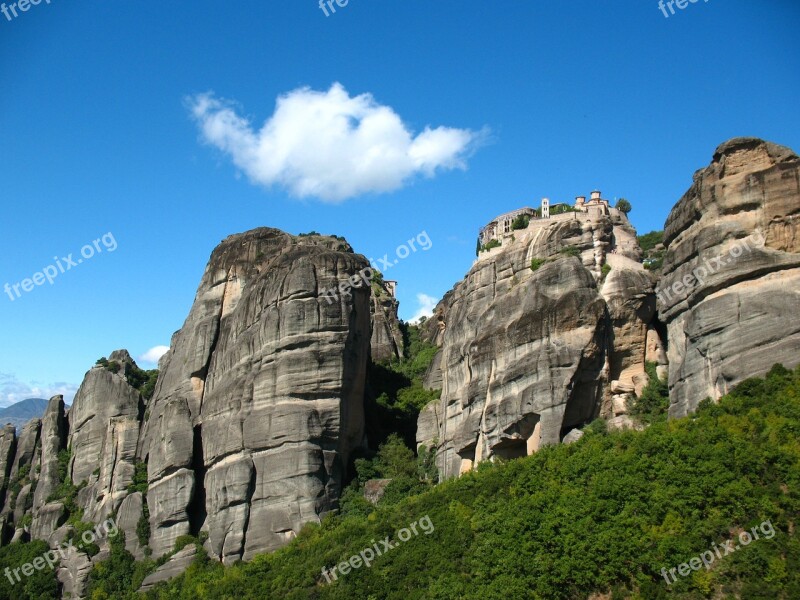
[20, 413]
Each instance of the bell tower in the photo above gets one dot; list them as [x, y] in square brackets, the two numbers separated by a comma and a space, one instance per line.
[545, 208]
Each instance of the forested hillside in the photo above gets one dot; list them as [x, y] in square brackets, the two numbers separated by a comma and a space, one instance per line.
[603, 515]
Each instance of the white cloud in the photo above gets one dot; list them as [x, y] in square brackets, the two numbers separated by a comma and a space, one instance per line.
[13, 390]
[426, 306]
[153, 355]
[330, 145]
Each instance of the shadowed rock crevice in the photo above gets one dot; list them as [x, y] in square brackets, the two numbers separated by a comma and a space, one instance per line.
[197, 507]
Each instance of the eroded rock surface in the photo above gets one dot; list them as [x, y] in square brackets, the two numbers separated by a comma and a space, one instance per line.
[260, 401]
[730, 291]
[104, 429]
[387, 338]
[526, 354]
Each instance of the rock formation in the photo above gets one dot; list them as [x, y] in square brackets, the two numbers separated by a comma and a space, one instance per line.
[259, 404]
[260, 400]
[527, 349]
[104, 429]
[256, 411]
[387, 339]
[729, 292]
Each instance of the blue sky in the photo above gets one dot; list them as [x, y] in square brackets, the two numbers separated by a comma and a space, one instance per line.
[523, 99]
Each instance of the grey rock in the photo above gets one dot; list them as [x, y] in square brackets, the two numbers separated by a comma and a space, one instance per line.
[8, 444]
[27, 447]
[736, 229]
[103, 396]
[23, 503]
[117, 468]
[46, 519]
[260, 400]
[374, 489]
[573, 436]
[527, 354]
[230, 487]
[429, 423]
[387, 339]
[128, 515]
[629, 294]
[176, 565]
[74, 573]
[168, 500]
[53, 439]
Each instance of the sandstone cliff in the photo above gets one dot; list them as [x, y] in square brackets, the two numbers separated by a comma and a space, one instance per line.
[260, 400]
[527, 354]
[729, 292]
[257, 408]
[259, 404]
[387, 338]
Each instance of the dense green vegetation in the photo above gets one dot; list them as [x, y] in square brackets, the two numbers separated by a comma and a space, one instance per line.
[520, 222]
[654, 259]
[144, 381]
[491, 244]
[570, 251]
[648, 241]
[605, 514]
[139, 483]
[536, 263]
[41, 585]
[410, 475]
[652, 405]
[561, 208]
[624, 206]
[398, 391]
[66, 491]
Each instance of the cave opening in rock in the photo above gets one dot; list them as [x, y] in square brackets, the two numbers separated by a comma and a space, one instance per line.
[511, 449]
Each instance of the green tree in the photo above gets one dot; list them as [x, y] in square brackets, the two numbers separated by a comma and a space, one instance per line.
[649, 241]
[624, 206]
[520, 222]
[654, 401]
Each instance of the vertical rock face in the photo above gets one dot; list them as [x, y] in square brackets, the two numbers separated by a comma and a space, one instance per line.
[258, 406]
[27, 447]
[628, 291]
[730, 291]
[260, 400]
[525, 354]
[53, 437]
[103, 434]
[8, 446]
[387, 339]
